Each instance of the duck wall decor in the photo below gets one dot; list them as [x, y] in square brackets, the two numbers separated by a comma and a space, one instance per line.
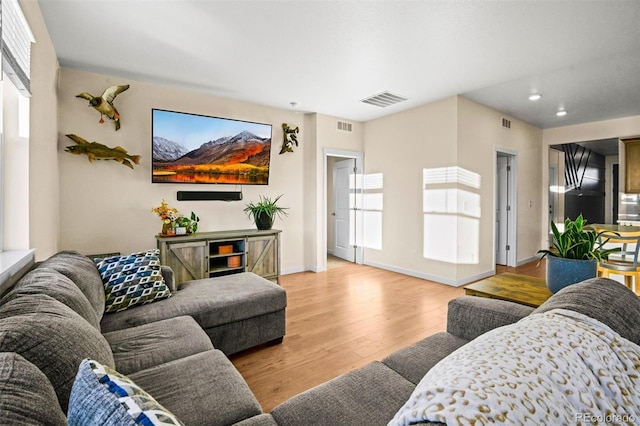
[104, 103]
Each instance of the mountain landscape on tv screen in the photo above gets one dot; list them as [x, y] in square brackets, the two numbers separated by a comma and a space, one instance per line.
[240, 159]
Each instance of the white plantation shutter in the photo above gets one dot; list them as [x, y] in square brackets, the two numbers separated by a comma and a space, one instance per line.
[16, 39]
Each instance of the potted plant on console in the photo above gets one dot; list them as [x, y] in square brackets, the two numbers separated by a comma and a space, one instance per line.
[575, 254]
[265, 211]
[189, 225]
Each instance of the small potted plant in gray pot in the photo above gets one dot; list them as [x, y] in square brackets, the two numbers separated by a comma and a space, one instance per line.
[575, 254]
[265, 211]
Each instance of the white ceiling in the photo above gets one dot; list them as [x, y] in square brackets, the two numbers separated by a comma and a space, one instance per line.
[328, 55]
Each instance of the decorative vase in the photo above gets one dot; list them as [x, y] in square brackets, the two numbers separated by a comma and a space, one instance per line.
[166, 227]
[263, 221]
[563, 272]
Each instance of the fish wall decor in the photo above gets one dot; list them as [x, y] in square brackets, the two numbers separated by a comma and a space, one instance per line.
[98, 151]
[290, 137]
[104, 103]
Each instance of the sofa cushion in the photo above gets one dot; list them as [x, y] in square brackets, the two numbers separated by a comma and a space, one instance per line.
[201, 389]
[370, 395]
[414, 361]
[132, 280]
[83, 272]
[149, 345]
[211, 302]
[470, 316]
[169, 277]
[604, 299]
[53, 337]
[52, 283]
[26, 395]
[102, 396]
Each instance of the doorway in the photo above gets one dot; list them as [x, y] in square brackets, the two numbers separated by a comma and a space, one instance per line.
[343, 210]
[343, 205]
[505, 209]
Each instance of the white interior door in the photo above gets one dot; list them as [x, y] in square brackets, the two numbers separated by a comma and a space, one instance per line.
[343, 210]
[502, 207]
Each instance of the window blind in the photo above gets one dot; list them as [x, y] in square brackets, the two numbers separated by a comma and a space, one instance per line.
[16, 38]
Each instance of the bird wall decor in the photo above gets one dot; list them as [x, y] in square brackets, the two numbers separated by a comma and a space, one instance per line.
[104, 103]
[290, 137]
[98, 151]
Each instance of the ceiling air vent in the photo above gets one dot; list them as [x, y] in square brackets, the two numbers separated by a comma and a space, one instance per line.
[344, 126]
[384, 99]
[506, 124]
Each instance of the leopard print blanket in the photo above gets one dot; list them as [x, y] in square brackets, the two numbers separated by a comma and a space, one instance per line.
[559, 367]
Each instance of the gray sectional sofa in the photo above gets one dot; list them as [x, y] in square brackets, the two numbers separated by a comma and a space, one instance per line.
[52, 319]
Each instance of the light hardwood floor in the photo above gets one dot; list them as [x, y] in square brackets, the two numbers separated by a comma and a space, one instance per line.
[342, 319]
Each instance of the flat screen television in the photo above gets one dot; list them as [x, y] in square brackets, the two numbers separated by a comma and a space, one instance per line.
[191, 148]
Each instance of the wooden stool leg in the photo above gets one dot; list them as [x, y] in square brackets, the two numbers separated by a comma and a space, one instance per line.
[628, 281]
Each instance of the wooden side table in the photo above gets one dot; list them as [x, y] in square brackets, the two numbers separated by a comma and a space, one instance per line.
[521, 289]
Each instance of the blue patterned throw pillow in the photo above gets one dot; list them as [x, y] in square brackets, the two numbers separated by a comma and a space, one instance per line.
[102, 396]
[132, 280]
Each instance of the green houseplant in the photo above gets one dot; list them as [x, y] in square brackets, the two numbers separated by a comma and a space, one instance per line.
[265, 211]
[189, 223]
[574, 255]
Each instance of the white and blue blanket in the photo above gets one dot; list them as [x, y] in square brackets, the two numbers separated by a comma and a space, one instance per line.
[559, 367]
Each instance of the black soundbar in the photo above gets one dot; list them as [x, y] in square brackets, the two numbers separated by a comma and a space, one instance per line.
[209, 195]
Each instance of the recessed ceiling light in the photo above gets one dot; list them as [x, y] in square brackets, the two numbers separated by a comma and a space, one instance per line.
[535, 96]
[561, 113]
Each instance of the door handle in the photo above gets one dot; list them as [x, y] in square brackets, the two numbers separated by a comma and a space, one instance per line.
[333, 213]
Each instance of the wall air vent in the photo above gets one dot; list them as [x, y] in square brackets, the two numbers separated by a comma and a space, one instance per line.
[506, 124]
[344, 126]
[383, 99]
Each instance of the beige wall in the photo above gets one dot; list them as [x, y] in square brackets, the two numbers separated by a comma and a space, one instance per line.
[310, 196]
[43, 169]
[106, 207]
[400, 146]
[463, 136]
[480, 135]
[607, 129]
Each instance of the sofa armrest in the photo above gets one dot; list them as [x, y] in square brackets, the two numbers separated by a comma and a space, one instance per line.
[169, 277]
[470, 316]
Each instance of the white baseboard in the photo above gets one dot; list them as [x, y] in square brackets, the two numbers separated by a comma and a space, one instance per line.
[303, 269]
[434, 278]
[476, 277]
[530, 259]
[294, 270]
[411, 273]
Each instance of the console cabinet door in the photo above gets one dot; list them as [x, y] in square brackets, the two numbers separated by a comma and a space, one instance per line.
[263, 256]
[188, 260]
